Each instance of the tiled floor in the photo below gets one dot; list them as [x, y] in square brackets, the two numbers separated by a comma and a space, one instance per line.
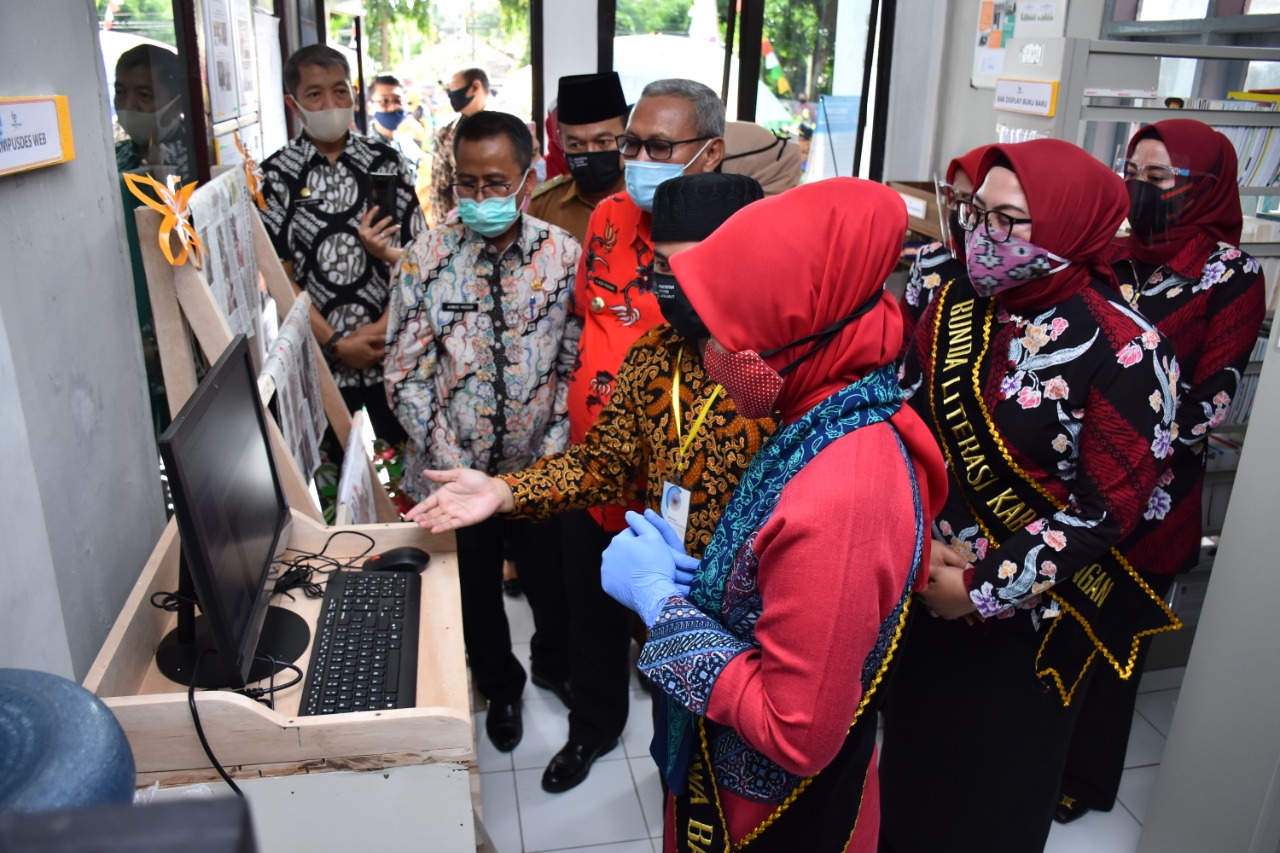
[618, 808]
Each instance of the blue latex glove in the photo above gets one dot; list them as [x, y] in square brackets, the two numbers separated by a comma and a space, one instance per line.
[638, 569]
[685, 565]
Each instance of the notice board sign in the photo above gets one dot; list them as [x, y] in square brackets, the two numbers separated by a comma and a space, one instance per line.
[34, 132]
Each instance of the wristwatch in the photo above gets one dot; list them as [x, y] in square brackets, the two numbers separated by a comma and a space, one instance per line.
[330, 347]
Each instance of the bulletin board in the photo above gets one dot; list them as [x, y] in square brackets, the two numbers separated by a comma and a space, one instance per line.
[1002, 20]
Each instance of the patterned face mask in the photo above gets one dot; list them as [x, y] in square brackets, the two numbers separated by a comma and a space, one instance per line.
[753, 385]
[994, 267]
[751, 382]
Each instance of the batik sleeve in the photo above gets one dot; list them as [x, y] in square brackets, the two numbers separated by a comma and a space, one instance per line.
[557, 437]
[409, 368]
[1237, 305]
[598, 470]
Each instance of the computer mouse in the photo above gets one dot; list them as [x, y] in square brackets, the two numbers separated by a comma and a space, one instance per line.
[403, 559]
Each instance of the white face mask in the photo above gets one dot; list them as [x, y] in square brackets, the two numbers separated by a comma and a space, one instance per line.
[141, 126]
[327, 125]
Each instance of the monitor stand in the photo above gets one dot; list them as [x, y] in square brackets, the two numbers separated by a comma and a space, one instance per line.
[284, 637]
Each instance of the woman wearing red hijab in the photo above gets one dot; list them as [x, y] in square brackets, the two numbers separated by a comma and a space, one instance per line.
[771, 660]
[1053, 402]
[1183, 271]
[942, 263]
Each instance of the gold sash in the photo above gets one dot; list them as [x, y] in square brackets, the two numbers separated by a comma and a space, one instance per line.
[1106, 606]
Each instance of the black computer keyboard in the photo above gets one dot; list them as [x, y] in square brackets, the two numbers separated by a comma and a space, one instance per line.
[365, 653]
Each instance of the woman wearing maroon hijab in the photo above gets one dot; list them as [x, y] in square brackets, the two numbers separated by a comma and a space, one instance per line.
[1053, 402]
[771, 661]
[941, 263]
[1182, 270]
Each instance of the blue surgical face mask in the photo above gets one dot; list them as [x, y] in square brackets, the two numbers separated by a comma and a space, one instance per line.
[490, 217]
[644, 176]
[390, 120]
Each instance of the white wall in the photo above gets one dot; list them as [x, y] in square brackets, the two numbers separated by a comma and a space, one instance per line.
[917, 108]
[81, 507]
[935, 112]
[569, 28]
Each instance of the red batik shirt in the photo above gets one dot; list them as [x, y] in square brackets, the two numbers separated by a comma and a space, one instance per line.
[1213, 322]
[612, 297]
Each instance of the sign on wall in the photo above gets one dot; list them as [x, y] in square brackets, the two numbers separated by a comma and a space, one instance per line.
[34, 132]
[1002, 20]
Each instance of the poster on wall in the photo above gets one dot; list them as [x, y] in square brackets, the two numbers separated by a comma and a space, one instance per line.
[246, 51]
[1002, 20]
[271, 115]
[220, 56]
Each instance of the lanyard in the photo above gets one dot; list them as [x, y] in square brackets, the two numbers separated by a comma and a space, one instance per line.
[684, 443]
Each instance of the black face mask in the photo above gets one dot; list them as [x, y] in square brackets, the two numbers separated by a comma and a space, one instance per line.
[459, 99]
[676, 309]
[1152, 211]
[595, 171]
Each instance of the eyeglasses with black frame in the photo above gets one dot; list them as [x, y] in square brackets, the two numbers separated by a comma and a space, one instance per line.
[482, 191]
[999, 225]
[657, 149]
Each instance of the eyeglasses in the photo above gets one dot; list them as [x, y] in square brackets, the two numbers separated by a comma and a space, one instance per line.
[482, 191]
[1152, 173]
[657, 149]
[999, 225]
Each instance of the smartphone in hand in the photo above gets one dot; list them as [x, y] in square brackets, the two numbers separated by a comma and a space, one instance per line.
[384, 193]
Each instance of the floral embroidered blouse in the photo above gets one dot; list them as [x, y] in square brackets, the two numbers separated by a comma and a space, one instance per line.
[480, 347]
[933, 267]
[1213, 323]
[1083, 394]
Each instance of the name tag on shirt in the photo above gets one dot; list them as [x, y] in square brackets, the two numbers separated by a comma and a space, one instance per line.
[461, 307]
[675, 507]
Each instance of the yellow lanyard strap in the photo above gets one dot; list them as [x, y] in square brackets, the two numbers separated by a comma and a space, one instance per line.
[684, 443]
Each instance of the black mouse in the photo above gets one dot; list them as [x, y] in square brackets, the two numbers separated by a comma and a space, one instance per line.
[403, 559]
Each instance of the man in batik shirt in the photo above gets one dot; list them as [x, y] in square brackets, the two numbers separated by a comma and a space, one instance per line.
[480, 346]
[698, 455]
[319, 191]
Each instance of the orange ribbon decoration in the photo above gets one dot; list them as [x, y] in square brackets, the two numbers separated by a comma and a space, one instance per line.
[252, 174]
[171, 201]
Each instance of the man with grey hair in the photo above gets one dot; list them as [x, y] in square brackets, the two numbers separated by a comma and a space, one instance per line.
[676, 128]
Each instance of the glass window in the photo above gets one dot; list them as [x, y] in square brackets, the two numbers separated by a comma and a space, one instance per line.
[1172, 10]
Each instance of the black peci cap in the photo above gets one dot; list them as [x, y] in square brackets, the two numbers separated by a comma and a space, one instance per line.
[589, 98]
[690, 207]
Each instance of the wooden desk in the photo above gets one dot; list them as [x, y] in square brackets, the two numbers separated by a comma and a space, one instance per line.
[293, 769]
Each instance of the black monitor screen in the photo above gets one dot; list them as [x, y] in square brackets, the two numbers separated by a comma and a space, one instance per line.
[229, 504]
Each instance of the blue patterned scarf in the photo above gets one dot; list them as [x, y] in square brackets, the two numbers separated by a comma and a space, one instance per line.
[872, 399]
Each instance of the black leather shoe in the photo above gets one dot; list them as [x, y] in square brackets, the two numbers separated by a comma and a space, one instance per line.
[558, 686]
[504, 725]
[1069, 809]
[571, 765]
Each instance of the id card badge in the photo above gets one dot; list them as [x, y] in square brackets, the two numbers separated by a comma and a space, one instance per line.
[675, 507]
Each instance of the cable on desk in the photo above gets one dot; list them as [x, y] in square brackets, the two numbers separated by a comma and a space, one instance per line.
[299, 570]
[195, 718]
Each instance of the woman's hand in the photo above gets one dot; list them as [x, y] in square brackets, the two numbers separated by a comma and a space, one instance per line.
[946, 594]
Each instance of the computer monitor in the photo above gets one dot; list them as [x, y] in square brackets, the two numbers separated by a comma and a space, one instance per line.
[233, 521]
